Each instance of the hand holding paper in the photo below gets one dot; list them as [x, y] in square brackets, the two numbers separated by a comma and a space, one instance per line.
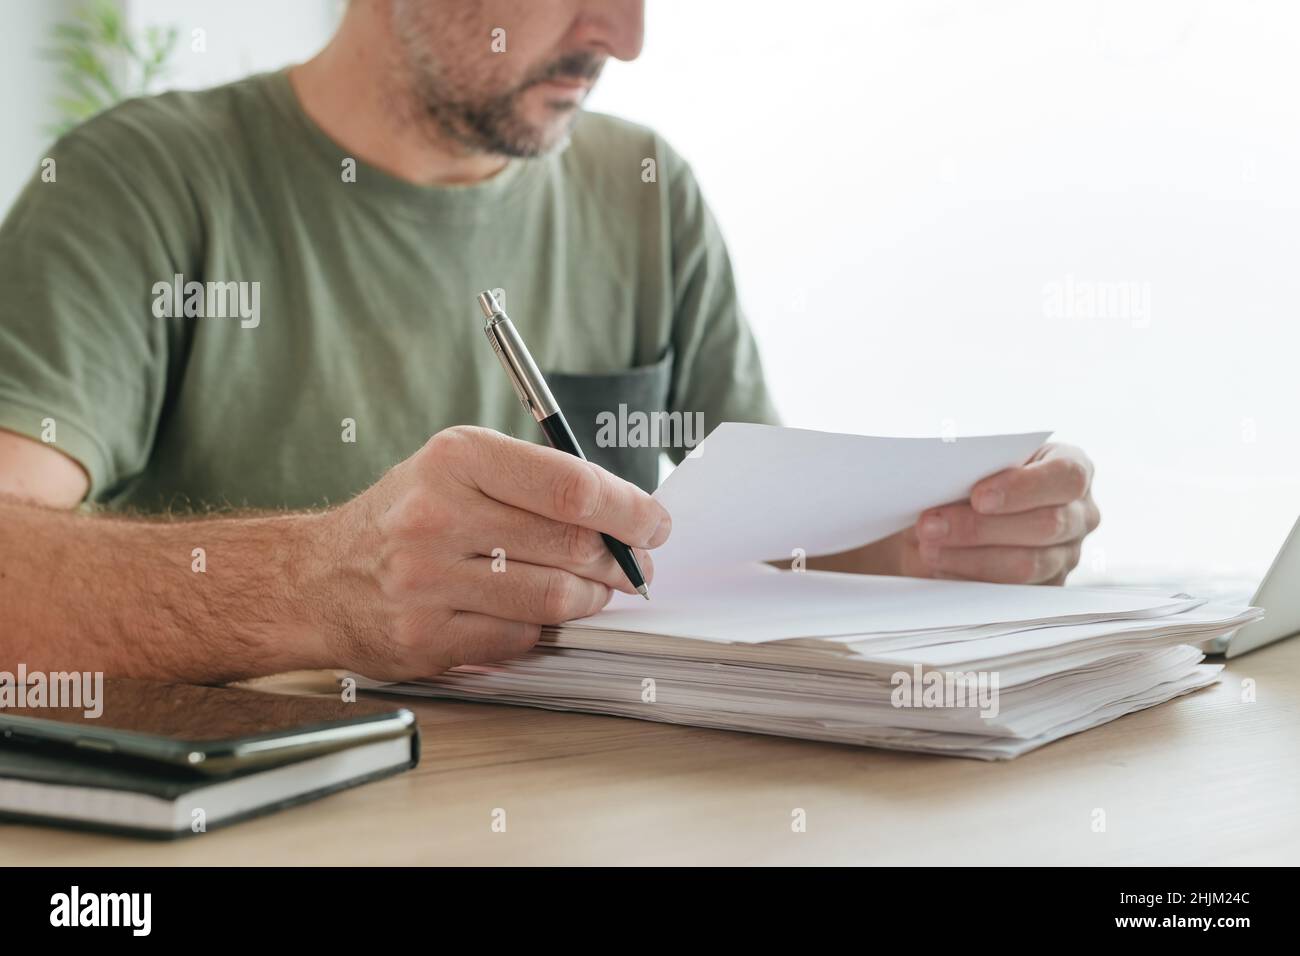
[759, 492]
[1024, 525]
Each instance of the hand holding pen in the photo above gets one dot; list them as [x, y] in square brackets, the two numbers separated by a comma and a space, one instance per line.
[533, 392]
[405, 580]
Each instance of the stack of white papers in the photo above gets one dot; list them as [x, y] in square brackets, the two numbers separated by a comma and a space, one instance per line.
[960, 668]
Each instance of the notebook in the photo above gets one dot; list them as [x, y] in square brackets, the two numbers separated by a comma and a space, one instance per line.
[169, 760]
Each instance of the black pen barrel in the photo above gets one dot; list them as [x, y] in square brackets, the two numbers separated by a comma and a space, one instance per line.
[561, 438]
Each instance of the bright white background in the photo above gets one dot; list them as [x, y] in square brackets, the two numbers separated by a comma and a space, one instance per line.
[901, 180]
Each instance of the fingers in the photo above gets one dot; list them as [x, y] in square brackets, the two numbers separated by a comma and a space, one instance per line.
[1031, 534]
[960, 526]
[1058, 475]
[525, 592]
[1008, 565]
[512, 534]
[478, 638]
[551, 483]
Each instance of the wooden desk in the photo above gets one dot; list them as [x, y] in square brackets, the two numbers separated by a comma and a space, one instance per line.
[1204, 779]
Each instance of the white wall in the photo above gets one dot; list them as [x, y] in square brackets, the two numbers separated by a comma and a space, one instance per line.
[900, 180]
[241, 36]
[28, 88]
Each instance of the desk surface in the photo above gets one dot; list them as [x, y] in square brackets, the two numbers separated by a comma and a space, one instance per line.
[1204, 779]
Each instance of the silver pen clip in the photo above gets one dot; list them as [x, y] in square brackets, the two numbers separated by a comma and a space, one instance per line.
[522, 371]
[511, 372]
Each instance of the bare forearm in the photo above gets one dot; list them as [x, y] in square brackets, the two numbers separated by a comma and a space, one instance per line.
[202, 600]
[400, 582]
[880, 557]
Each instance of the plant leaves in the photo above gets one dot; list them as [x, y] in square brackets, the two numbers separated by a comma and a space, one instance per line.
[96, 50]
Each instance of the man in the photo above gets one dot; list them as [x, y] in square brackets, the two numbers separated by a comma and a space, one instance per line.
[227, 312]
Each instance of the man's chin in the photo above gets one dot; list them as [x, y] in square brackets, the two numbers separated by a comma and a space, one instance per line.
[545, 135]
[548, 115]
[524, 126]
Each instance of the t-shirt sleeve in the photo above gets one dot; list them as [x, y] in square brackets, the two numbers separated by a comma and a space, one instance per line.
[717, 369]
[83, 359]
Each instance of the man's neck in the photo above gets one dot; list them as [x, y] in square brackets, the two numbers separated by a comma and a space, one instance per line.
[352, 92]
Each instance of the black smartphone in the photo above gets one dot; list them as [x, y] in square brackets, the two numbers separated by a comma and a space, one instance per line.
[207, 730]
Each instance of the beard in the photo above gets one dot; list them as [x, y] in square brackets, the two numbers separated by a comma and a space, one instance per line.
[457, 103]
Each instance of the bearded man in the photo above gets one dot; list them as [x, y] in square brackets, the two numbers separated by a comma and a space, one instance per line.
[330, 439]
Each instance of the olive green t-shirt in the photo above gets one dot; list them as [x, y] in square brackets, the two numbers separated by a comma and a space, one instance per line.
[207, 302]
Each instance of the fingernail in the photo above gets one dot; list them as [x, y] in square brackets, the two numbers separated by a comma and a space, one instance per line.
[933, 527]
[990, 500]
[647, 566]
[661, 532]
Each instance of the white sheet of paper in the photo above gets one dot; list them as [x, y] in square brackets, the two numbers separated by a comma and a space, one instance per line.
[757, 603]
[758, 492]
[1027, 641]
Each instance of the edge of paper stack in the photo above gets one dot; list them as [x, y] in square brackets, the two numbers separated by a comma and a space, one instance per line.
[1053, 677]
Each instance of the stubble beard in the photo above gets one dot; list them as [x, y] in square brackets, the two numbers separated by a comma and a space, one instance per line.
[451, 110]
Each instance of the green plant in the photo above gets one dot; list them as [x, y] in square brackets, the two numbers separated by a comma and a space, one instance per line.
[102, 62]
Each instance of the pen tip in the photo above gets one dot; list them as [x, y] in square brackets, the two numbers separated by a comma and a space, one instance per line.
[644, 592]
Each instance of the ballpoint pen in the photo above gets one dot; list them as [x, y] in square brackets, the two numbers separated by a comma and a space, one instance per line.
[536, 397]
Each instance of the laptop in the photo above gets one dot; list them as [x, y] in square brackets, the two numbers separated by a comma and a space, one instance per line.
[1279, 595]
